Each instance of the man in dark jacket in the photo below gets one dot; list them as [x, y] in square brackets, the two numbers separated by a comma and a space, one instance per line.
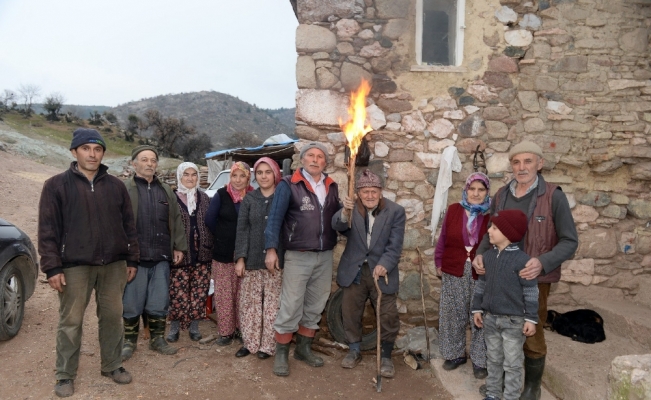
[87, 240]
[303, 207]
[551, 239]
[162, 240]
[372, 251]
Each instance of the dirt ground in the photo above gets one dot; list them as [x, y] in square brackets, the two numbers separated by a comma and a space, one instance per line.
[195, 372]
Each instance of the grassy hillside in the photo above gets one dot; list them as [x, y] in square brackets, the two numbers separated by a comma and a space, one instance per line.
[60, 133]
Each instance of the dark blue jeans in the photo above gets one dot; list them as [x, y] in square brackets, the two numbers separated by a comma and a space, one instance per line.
[505, 356]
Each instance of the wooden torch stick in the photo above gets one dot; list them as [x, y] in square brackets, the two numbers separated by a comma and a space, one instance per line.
[351, 186]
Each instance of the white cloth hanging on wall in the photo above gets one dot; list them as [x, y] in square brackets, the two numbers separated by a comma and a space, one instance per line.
[449, 162]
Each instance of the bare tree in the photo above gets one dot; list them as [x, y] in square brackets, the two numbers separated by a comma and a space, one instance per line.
[133, 128]
[110, 117]
[95, 118]
[6, 98]
[168, 132]
[52, 105]
[28, 94]
[195, 148]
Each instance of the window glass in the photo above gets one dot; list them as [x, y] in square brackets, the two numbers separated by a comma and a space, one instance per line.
[439, 32]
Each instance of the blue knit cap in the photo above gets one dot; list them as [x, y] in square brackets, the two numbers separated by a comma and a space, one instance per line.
[84, 135]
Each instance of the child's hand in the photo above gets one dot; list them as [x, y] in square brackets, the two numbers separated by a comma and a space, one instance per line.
[529, 328]
[479, 320]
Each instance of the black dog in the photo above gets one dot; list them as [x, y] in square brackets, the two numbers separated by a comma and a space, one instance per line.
[585, 326]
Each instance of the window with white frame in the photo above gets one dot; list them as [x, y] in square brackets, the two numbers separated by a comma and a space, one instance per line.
[439, 32]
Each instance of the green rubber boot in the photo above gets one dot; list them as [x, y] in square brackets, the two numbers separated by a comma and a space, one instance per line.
[533, 372]
[303, 351]
[281, 359]
[157, 341]
[131, 328]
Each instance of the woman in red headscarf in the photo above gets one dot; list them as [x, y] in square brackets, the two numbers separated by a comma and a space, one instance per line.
[221, 219]
[260, 289]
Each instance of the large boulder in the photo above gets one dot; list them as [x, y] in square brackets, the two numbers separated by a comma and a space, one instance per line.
[630, 378]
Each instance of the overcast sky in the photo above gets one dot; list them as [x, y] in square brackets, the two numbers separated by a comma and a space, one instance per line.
[98, 52]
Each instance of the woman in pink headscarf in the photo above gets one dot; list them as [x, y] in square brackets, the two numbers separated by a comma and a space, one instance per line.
[222, 221]
[260, 290]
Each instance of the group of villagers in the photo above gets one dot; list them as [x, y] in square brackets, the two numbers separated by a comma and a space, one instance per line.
[229, 233]
[226, 243]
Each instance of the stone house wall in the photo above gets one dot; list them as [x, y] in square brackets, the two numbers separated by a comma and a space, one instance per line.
[573, 76]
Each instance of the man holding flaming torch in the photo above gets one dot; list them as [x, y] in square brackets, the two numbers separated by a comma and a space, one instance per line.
[301, 216]
[372, 253]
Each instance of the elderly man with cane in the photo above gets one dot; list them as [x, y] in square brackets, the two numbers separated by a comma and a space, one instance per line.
[372, 251]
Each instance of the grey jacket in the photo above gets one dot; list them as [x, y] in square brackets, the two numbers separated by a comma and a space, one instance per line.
[386, 243]
[251, 223]
[501, 291]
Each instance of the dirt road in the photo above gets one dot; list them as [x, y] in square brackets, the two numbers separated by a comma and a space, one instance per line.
[195, 372]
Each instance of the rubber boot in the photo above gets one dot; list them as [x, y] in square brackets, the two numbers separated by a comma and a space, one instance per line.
[533, 372]
[157, 341]
[281, 359]
[131, 328]
[303, 351]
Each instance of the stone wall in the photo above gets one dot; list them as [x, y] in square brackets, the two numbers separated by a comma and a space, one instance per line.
[572, 75]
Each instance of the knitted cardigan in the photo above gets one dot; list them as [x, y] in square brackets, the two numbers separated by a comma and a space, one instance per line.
[251, 223]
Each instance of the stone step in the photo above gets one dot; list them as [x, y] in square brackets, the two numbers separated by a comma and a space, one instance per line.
[462, 385]
[579, 371]
[625, 318]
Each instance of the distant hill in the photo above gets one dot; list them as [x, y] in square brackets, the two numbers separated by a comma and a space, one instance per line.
[216, 114]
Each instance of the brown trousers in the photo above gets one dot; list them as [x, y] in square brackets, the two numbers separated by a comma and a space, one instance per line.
[353, 304]
[535, 346]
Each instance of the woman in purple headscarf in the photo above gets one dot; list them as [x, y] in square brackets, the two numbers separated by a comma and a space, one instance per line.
[222, 221]
[464, 226]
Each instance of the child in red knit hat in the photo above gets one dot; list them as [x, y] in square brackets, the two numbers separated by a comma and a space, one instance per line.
[505, 305]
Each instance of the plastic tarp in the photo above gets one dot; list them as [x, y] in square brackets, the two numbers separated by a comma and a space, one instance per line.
[276, 143]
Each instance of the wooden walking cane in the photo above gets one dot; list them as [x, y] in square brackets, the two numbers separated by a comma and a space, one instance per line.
[422, 298]
[378, 345]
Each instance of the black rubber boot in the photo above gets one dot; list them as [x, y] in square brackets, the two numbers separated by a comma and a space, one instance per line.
[157, 341]
[131, 328]
[281, 359]
[303, 351]
[533, 372]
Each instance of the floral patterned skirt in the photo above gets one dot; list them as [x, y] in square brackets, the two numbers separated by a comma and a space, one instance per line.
[188, 293]
[227, 286]
[259, 303]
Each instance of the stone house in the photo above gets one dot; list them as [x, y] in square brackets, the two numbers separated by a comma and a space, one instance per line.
[573, 76]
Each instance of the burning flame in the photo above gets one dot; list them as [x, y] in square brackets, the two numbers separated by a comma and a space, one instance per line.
[356, 128]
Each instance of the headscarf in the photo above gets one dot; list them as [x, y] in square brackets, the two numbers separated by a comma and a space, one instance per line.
[272, 164]
[238, 195]
[188, 195]
[475, 209]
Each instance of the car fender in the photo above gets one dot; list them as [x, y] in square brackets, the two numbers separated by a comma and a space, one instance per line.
[23, 255]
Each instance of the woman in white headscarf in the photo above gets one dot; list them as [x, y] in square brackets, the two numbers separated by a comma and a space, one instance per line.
[190, 279]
